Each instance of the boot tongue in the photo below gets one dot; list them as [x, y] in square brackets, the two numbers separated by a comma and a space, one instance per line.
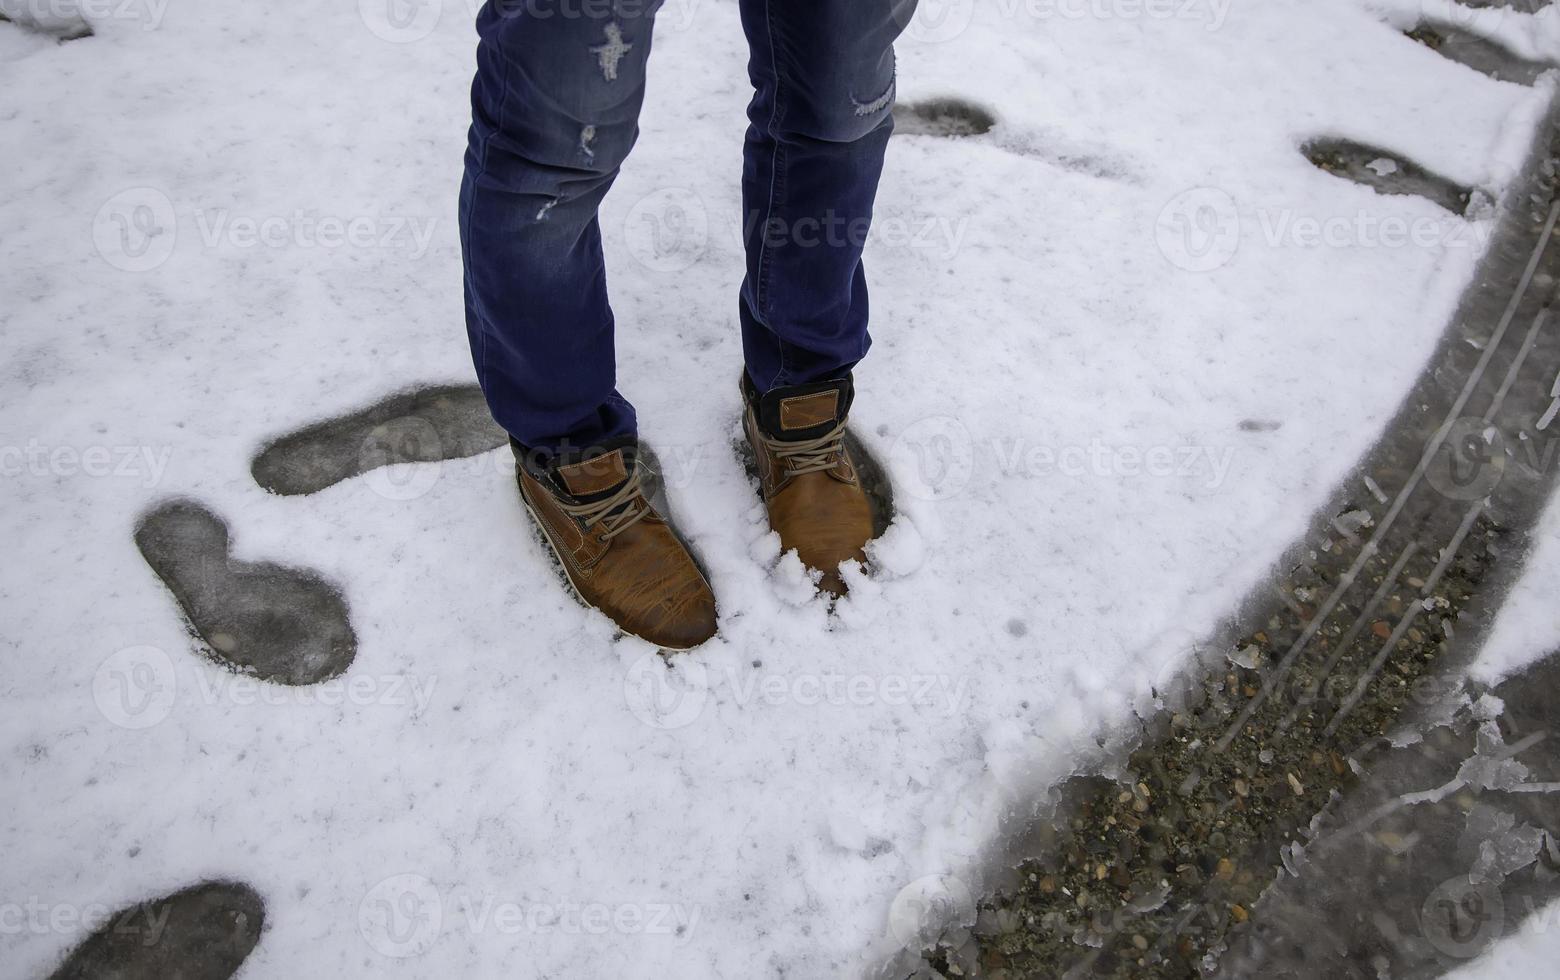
[800, 412]
[596, 476]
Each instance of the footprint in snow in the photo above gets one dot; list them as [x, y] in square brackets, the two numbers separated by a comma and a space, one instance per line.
[280, 624]
[1520, 6]
[1386, 172]
[955, 118]
[203, 932]
[942, 117]
[60, 19]
[423, 425]
[1475, 51]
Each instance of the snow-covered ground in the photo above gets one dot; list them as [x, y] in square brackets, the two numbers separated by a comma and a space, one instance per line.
[1528, 626]
[1126, 342]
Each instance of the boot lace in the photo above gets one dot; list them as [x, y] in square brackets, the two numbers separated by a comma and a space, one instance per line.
[810, 455]
[615, 514]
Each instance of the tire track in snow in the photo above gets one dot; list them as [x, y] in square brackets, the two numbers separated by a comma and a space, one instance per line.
[1375, 613]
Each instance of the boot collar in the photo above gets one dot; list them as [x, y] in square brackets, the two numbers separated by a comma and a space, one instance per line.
[796, 413]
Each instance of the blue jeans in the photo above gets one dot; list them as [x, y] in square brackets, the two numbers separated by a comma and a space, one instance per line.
[555, 109]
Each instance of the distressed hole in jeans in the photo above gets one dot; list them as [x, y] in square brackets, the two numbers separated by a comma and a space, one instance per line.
[587, 141]
[611, 53]
[878, 104]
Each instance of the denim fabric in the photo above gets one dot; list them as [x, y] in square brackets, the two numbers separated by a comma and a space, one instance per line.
[555, 108]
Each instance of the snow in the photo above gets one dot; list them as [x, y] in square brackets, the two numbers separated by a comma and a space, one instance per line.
[1527, 628]
[1528, 952]
[1074, 316]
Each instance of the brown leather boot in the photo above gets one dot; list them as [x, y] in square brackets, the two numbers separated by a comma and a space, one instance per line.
[617, 550]
[811, 485]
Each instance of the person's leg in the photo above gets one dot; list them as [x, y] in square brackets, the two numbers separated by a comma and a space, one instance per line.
[819, 123]
[555, 109]
[820, 119]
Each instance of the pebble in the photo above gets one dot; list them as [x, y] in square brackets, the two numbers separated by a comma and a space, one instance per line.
[1392, 841]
